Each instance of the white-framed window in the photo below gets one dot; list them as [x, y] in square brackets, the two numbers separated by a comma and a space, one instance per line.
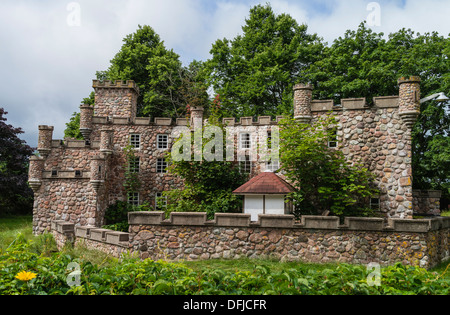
[272, 166]
[161, 166]
[133, 199]
[135, 140]
[160, 201]
[245, 141]
[134, 165]
[245, 164]
[162, 141]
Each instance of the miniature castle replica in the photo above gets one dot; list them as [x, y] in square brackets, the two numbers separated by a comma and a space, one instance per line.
[76, 180]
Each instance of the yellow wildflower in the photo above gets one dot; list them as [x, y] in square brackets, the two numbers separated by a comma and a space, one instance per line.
[25, 276]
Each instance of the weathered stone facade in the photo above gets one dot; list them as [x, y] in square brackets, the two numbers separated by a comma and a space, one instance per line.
[75, 180]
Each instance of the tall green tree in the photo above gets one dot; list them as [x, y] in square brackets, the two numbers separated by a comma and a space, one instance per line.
[144, 59]
[15, 194]
[254, 73]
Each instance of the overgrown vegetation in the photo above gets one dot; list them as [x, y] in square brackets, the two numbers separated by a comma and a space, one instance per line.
[209, 182]
[323, 178]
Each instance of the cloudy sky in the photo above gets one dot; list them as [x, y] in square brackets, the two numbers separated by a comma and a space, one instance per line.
[51, 49]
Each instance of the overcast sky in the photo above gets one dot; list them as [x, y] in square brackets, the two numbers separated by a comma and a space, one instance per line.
[51, 49]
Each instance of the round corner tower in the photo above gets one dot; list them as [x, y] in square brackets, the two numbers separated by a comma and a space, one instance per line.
[409, 100]
[86, 116]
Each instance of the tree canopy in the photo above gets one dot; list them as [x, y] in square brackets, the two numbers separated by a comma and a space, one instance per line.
[15, 194]
[254, 73]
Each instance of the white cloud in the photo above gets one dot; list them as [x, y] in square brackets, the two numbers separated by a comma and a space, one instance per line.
[47, 66]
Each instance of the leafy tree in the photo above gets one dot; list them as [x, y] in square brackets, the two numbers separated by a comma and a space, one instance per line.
[255, 72]
[365, 64]
[15, 194]
[144, 59]
[324, 180]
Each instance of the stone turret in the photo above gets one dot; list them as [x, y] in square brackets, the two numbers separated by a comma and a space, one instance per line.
[106, 141]
[116, 98]
[196, 117]
[98, 164]
[45, 140]
[35, 172]
[302, 102]
[409, 100]
[86, 115]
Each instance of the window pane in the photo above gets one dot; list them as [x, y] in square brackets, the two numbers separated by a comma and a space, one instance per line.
[133, 199]
[135, 141]
[245, 165]
[245, 141]
[161, 166]
[163, 142]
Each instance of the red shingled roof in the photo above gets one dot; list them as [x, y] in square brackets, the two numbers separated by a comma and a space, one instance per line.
[266, 183]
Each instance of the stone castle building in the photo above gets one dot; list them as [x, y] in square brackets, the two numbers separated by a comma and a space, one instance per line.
[76, 180]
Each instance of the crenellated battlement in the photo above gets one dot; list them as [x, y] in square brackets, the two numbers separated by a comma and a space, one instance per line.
[190, 236]
[117, 84]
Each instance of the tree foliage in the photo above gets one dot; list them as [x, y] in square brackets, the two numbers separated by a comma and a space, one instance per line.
[255, 72]
[323, 178]
[15, 194]
[208, 183]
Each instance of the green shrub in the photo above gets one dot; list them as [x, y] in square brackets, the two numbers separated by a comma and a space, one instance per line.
[131, 276]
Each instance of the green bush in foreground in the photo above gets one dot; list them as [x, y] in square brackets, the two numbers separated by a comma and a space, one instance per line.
[131, 276]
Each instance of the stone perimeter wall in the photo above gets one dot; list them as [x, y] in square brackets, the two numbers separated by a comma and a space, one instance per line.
[189, 236]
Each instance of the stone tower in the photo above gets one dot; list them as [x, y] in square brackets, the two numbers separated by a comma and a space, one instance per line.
[409, 100]
[116, 98]
[302, 103]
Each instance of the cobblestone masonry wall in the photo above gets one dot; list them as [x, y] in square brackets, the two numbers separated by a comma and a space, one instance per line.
[185, 236]
[422, 243]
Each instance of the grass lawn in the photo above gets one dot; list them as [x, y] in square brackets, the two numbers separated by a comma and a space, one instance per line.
[11, 226]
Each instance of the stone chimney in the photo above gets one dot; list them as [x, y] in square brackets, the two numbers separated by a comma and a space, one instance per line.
[302, 103]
